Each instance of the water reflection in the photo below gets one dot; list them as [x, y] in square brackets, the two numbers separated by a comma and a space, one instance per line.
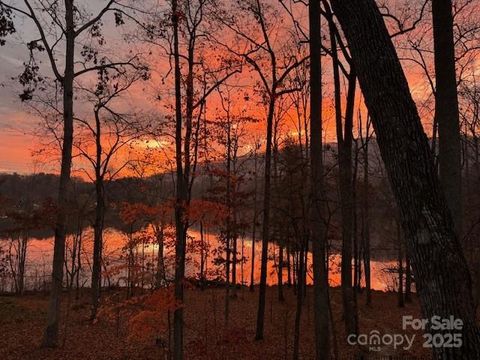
[40, 254]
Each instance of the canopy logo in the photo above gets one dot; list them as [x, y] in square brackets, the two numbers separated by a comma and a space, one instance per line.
[375, 341]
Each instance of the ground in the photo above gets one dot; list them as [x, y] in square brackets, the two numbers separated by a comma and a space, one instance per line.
[117, 334]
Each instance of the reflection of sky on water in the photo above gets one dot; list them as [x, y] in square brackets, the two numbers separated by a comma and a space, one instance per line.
[40, 252]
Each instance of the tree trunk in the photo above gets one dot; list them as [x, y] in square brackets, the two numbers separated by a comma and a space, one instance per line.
[357, 247]
[181, 196]
[281, 298]
[202, 256]
[228, 237]
[50, 338]
[227, 276]
[97, 246]
[366, 217]
[79, 265]
[408, 279]
[160, 274]
[289, 268]
[21, 259]
[266, 221]
[318, 229]
[344, 143]
[305, 271]
[446, 109]
[99, 220]
[254, 224]
[346, 190]
[242, 256]
[234, 263]
[401, 300]
[235, 226]
[294, 271]
[252, 260]
[298, 310]
[442, 277]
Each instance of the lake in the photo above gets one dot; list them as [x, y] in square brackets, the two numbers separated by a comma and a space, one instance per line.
[40, 254]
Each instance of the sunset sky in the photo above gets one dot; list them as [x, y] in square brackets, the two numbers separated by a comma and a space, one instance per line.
[18, 124]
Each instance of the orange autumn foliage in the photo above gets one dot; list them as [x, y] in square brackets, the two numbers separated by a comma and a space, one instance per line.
[146, 316]
[210, 212]
[133, 212]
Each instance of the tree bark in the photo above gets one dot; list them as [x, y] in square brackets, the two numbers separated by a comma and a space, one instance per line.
[408, 279]
[442, 277]
[317, 225]
[446, 109]
[401, 300]
[50, 338]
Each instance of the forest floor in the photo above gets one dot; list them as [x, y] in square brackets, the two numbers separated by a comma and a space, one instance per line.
[135, 331]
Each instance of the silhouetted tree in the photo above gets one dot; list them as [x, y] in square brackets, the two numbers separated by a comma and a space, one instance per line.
[440, 269]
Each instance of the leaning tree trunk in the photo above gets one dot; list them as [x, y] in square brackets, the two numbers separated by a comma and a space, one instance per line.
[446, 109]
[317, 225]
[50, 338]
[442, 277]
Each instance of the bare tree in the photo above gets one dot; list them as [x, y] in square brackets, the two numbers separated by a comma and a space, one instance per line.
[318, 226]
[256, 147]
[344, 131]
[191, 32]
[74, 24]
[273, 66]
[108, 132]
